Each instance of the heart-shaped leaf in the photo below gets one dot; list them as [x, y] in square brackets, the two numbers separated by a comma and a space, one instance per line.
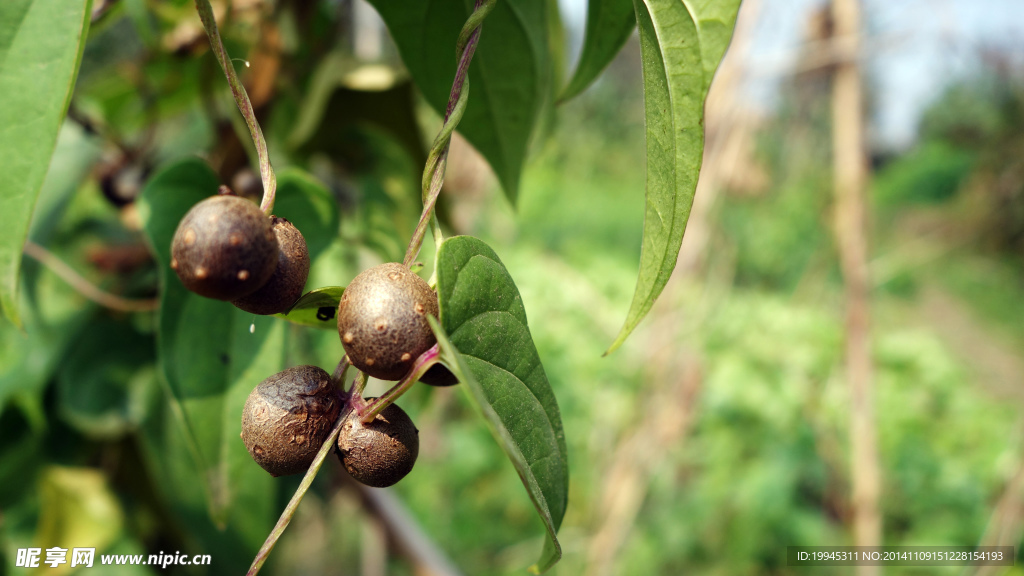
[41, 43]
[681, 45]
[211, 355]
[609, 24]
[510, 77]
[485, 341]
[317, 308]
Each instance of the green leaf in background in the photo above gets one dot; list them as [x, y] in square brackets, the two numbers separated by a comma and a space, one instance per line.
[510, 76]
[99, 389]
[681, 45]
[41, 43]
[609, 24]
[211, 356]
[310, 206]
[78, 508]
[485, 341]
[317, 308]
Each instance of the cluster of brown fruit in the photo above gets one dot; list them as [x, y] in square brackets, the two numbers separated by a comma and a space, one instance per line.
[227, 248]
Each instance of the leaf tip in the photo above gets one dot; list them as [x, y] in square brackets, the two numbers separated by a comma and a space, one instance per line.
[623, 334]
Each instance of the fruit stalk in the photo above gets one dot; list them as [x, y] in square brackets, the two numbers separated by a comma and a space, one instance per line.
[423, 363]
[244, 106]
[338, 376]
[437, 160]
[355, 393]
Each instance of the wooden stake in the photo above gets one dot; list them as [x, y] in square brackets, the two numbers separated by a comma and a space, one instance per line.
[850, 174]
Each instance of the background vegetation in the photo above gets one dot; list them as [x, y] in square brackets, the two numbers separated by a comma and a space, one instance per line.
[710, 441]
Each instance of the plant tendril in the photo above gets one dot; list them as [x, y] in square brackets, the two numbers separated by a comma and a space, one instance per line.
[437, 160]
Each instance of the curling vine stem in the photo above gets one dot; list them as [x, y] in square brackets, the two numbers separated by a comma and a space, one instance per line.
[437, 160]
[244, 106]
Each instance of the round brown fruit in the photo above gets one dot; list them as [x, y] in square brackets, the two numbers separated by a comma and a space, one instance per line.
[288, 417]
[382, 320]
[224, 248]
[382, 452]
[286, 283]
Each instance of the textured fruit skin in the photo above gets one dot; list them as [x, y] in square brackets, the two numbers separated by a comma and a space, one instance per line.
[288, 417]
[439, 375]
[286, 283]
[224, 248]
[380, 453]
[382, 320]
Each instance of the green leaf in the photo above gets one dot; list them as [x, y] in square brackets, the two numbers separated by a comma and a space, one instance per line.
[329, 111]
[99, 389]
[78, 508]
[310, 206]
[681, 45]
[317, 308]
[41, 43]
[28, 359]
[485, 341]
[609, 24]
[510, 76]
[168, 456]
[211, 355]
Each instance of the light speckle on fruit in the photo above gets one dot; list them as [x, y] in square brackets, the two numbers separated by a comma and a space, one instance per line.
[406, 357]
[190, 237]
[243, 275]
[370, 361]
[348, 338]
[235, 239]
[381, 324]
[174, 264]
[395, 276]
[201, 273]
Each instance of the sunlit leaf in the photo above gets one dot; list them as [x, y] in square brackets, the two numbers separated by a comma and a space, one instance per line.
[485, 341]
[78, 509]
[681, 45]
[41, 43]
[317, 308]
